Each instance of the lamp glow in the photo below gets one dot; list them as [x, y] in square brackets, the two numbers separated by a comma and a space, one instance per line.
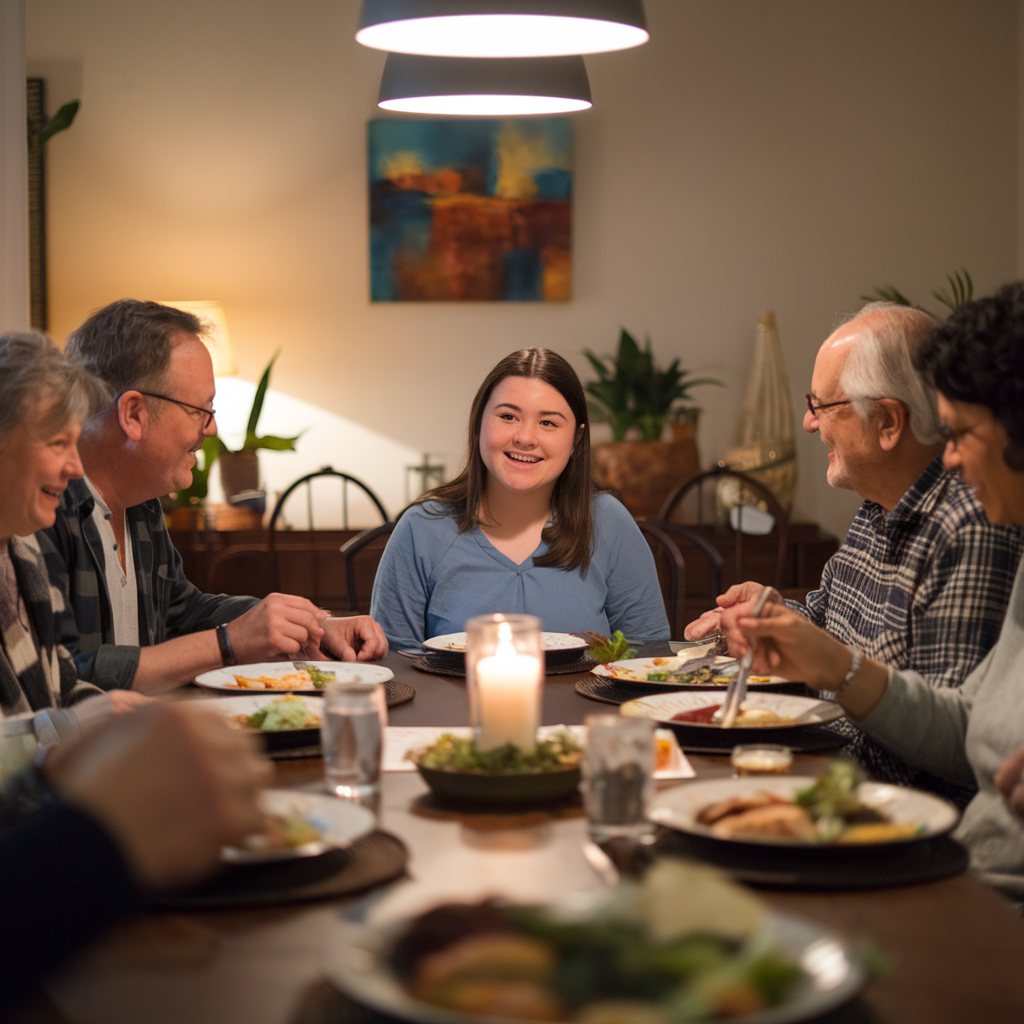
[216, 338]
[502, 35]
[481, 86]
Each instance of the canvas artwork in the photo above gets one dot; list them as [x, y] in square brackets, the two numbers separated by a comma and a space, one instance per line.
[471, 210]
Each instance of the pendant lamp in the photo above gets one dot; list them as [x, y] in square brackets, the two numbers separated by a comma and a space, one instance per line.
[502, 28]
[484, 86]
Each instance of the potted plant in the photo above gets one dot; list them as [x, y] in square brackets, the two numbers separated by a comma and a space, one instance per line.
[240, 470]
[633, 395]
[186, 508]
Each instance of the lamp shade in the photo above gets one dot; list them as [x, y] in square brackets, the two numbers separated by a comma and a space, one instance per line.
[502, 28]
[484, 86]
[215, 337]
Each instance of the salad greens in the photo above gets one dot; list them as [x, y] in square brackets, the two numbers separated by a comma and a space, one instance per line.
[318, 677]
[603, 649]
[459, 754]
[833, 797]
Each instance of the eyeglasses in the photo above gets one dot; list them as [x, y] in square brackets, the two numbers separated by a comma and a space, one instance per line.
[949, 436]
[815, 409]
[207, 413]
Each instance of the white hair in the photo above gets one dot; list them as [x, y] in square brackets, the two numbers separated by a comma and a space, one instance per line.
[881, 365]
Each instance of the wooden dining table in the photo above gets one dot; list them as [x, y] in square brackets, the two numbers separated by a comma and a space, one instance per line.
[954, 948]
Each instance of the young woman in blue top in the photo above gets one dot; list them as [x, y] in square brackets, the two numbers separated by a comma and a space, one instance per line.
[521, 528]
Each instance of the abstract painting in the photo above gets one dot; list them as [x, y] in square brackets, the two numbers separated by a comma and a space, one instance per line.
[471, 210]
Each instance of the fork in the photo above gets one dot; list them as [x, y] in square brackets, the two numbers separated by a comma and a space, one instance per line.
[725, 716]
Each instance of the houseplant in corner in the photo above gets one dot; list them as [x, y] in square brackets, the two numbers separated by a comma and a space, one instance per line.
[633, 395]
[240, 470]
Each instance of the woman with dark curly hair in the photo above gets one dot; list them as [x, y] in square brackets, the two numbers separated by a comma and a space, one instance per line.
[974, 734]
[520, 529]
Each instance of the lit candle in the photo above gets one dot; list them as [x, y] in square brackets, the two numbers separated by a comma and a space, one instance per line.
[508, 696]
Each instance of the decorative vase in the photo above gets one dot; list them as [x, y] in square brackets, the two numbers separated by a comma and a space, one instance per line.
[643, 472]
[239, 471]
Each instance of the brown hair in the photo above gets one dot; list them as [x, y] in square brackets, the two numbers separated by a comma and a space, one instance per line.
[569, 533]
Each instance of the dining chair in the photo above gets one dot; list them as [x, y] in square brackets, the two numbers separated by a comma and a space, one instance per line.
[671, 569]
[375, 540]
[697, 505]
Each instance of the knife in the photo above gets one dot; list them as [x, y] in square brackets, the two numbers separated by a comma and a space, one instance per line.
[734, 696]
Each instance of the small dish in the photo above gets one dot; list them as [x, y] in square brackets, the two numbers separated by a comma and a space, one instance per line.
[491, 790]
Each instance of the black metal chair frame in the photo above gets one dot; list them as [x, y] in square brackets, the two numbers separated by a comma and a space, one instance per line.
[350, 549]
[715, 476]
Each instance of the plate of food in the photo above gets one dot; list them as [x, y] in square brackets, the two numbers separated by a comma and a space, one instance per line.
[685, 944]
[282, 722]
[291, 676]
[682, 672]
[456, 642]
[301, 825]
[760, 712]
[839, 808]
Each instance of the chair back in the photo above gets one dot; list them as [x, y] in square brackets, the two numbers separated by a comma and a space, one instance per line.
[696, 504]
[360, 572]
[699, 586]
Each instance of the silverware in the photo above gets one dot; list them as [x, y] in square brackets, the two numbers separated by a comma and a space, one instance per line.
[601, 863]
[734, 696]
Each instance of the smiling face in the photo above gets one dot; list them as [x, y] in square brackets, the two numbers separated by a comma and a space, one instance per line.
[976, 449]
[526, 436]
[176, 433]
[35, 466]
[853, 450]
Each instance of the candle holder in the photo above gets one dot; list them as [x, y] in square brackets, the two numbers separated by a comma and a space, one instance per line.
[504, 680]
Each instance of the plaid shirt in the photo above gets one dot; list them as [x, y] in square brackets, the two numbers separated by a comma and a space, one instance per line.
[169, 606]
[923, 587]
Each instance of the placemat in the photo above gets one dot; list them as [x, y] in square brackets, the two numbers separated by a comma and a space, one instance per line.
[618, 691]
[394, 693]
[376, 858]
[441, 667]
[823, 868]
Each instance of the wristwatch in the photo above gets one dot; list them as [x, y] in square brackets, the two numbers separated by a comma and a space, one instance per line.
[227, 655]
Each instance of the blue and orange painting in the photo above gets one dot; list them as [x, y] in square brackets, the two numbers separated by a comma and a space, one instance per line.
[471, 210]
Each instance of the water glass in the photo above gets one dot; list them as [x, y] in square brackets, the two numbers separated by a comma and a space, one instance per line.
[352, 737]
[618, 772]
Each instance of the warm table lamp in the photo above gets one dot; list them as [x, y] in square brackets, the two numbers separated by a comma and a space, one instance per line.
[217, 339]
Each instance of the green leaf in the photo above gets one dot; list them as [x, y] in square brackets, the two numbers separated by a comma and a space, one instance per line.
[61, 120]
[277, 444]
[257, 402]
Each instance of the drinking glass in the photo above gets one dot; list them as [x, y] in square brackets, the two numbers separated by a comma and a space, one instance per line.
[618, 767]
[761, 759]
[351, 732]
[504, 680]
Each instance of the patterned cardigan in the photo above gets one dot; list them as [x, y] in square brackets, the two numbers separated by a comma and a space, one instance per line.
[50, 680]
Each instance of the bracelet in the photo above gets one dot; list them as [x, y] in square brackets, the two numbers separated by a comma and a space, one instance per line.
[227, 655]
[854, 669]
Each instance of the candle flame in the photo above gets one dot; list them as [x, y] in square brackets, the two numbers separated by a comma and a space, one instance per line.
[504, 632]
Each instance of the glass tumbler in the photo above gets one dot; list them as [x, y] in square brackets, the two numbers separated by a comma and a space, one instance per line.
[618, 772]
[504, 680]
[351, 734]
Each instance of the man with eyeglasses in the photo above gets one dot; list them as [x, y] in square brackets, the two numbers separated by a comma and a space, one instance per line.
[923, 578]
[132, 620]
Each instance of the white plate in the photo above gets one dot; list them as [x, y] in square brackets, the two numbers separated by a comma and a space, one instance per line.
[662, 706]
[224, 678]
[248, 705]
[339, 822]
[634, 670]
[678, 807]
[832, 976]
[456, 642]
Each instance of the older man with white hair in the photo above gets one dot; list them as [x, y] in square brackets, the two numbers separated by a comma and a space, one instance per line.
[923, 578]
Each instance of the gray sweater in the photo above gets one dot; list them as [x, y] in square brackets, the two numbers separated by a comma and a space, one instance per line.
[966, 734]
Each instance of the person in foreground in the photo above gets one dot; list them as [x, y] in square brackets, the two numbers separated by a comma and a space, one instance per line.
[133, 620]
[923, 578]
[973, 734]
[521, 528]
[143, 801]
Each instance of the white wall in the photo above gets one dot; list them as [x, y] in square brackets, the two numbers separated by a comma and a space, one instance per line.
[786, 154]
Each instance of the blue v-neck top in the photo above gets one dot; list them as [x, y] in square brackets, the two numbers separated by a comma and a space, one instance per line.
[431, 579]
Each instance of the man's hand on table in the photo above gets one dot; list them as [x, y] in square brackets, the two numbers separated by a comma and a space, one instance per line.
[356, 638]
[172, 783]
[280, 625]
[720, 618]
[1010, 783]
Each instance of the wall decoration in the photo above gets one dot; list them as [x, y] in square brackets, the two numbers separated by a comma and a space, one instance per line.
[470, 209]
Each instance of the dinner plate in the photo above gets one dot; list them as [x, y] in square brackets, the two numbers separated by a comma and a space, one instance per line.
[831, 975]
[635, 670]
[339, 822]
[456, 642]
[678, 808]
[662, 706]
[224, 678]
[273, 739]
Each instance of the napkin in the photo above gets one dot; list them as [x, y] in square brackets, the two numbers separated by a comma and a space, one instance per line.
[400, 739]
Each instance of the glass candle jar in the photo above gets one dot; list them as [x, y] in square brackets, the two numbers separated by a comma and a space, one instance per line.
[504, 680]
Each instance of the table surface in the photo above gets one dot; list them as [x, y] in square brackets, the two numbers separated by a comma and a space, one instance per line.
[956, 947]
